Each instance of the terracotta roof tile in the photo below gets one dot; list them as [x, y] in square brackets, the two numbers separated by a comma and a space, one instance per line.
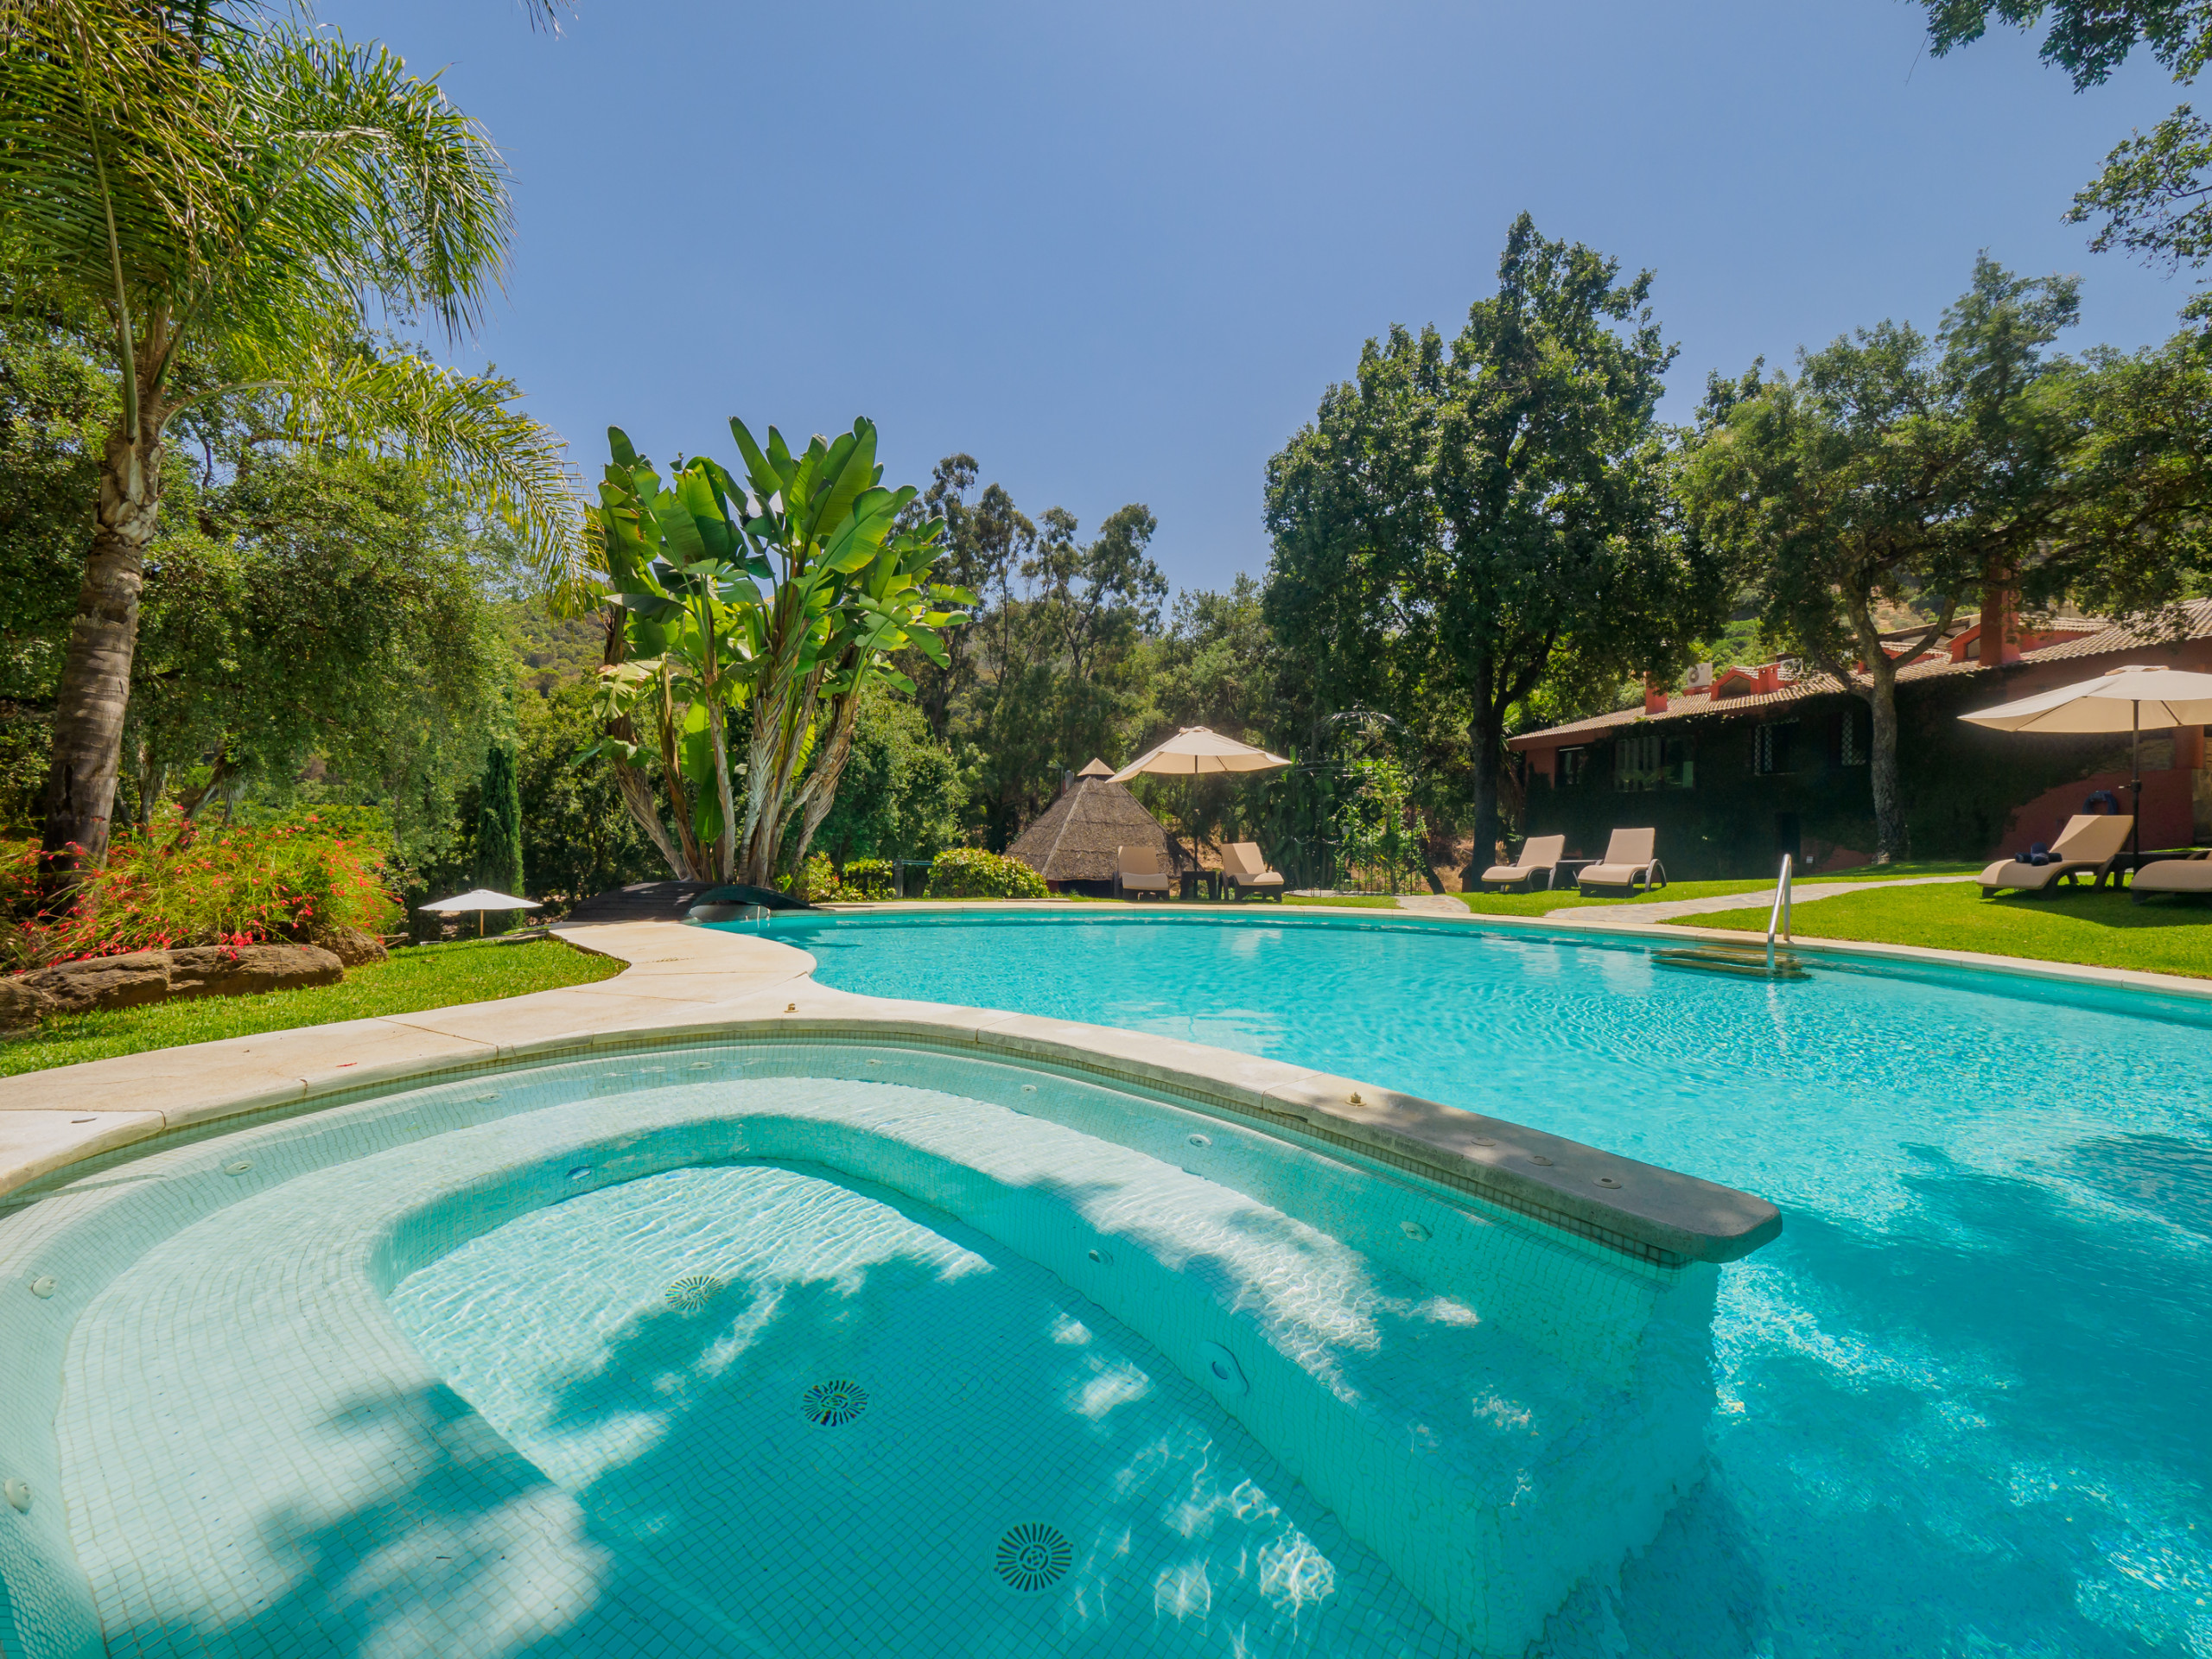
[2106, 639]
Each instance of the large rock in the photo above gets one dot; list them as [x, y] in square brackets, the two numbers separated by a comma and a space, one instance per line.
[351, 946]
[21, 1004]
[143, 976]
[244, 970]
[125, 981]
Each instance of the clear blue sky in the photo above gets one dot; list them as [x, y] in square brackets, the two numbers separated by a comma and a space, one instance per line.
[1115, 252]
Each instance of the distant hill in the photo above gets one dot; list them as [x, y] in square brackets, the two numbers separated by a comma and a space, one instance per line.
[556, 650]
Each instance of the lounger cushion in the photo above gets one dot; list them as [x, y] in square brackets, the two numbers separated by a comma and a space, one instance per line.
[1510, 872]
[1615, 875]
[1270, 879]
[1627, 850]
[2014, 873]
[2175, 875]
[1145, 883]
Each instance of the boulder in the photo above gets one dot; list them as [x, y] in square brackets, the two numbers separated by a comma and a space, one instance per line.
[351, 946]
[21, 1004]
[244, 970]
[125, 981]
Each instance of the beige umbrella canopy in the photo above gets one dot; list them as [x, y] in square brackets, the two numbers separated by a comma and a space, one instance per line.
[481, 900]
[2125, 699]
[1196, 751]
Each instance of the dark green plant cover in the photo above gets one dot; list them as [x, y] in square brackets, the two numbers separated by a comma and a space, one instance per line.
[971, 873]
[867, 877]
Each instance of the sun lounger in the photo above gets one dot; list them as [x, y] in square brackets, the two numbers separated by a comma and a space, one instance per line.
[1628, 864]
[2173, 875]
[2087, 846]
[1137, 870]
[1539, 857]
[1247, 872]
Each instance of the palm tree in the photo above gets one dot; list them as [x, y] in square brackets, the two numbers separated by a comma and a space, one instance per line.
[235, 205]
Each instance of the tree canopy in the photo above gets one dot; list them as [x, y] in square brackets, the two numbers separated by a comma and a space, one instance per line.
[1462, 526]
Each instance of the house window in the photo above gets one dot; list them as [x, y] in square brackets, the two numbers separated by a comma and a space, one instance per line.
[1571, 765]
[1773, 748]
[1852, 751]
[1650, 761]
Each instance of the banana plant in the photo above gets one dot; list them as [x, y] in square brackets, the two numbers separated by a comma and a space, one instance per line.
[782, 597]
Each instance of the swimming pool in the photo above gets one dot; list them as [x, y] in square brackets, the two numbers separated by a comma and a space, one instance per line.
[811, 1346]
[1962, 1398]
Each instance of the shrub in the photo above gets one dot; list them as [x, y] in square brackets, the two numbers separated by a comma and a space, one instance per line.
[300, 880]
[868, 878]
[815, 881]
[970, 873]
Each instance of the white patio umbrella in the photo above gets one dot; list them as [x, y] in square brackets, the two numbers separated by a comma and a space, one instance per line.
[2125, 699]
[480, 901]
[1199, 750]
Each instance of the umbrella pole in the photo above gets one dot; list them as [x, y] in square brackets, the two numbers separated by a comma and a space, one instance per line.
[2135, 787]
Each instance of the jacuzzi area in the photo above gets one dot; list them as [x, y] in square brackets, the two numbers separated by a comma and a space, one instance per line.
[778, 1343]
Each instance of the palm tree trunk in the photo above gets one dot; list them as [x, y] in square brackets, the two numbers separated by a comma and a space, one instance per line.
[95, 691]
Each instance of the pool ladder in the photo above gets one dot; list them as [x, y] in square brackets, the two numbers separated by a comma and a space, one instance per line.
[1744, 959]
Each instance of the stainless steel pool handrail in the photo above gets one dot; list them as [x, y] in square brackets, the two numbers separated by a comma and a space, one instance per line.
[1780, 913]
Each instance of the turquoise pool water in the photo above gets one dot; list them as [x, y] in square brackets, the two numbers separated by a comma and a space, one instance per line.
[985, 1397]
[1962, 1400]
[811, 1348]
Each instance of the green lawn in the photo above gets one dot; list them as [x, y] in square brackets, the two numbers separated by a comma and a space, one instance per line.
[2105, 930]
[426, 977]
[1536, 904]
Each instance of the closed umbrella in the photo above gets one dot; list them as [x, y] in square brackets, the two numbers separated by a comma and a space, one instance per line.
[2125, 699]
[480, 901]
[1197, 751]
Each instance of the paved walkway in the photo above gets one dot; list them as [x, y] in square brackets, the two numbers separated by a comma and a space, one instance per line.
[676, 975]
[1666, 910]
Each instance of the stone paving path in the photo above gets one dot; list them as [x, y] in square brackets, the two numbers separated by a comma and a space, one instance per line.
[1664, 910]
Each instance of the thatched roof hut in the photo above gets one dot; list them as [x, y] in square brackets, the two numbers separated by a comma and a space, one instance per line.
[1075, 841]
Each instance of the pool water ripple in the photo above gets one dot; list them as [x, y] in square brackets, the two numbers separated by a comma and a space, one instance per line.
[1962, 1401]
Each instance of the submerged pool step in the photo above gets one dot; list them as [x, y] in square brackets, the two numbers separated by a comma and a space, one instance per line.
[1746, 960]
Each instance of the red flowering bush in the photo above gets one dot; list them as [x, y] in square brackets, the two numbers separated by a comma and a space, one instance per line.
[299, 880]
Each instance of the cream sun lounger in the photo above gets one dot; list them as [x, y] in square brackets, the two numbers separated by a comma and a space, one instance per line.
[1628, 863]
[2174, 875]
[1137, 870]
[2086, 847]
[1247, 872]
[1540, 856]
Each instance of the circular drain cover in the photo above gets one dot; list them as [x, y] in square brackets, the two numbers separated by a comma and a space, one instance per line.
[691, 1292]
[1033, 1556]
[838, 1401]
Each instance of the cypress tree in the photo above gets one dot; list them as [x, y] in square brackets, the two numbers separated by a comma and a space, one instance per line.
[499, 828]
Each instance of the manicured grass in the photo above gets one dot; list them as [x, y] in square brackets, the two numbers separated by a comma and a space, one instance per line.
[426, 977]
[2104, 930]
[1536, 904]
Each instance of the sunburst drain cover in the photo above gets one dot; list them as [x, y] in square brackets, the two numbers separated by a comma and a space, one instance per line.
[692, 1292]
[1033, 1556]
[837, 1401]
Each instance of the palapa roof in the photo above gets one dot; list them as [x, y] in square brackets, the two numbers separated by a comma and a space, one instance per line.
[1076, 837]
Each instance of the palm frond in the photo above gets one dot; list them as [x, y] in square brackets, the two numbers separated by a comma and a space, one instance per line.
[468, 430]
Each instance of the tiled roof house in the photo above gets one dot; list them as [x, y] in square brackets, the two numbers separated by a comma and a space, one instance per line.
[1743, 763]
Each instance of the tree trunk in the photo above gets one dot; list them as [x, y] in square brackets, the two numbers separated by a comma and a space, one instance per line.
[819, 793]
[630, 781]
[95, 689]
[1486, 734]
[1890, 840]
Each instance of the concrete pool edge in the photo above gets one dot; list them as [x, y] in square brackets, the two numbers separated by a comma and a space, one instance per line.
[1659, 1217]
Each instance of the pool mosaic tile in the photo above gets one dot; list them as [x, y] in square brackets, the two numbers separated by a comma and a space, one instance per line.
[261, 1454]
